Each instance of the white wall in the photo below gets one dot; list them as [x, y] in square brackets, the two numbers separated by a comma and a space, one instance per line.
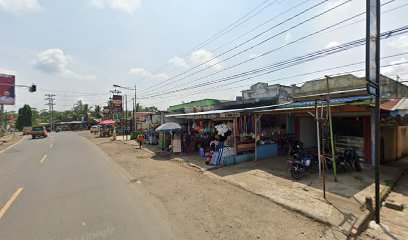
[308, 133]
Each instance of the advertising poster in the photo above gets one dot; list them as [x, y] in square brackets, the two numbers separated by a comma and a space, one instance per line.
[117, 103]
[106, 111]
[7, 89]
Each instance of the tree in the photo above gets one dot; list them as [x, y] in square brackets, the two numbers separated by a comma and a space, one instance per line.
[24, 117]
[151, 109]
[96, 113]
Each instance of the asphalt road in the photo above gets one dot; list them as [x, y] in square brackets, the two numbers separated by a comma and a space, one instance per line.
[63, 187]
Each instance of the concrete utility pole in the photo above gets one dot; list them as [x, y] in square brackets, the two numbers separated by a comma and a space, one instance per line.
[373, 12]
[50, 98]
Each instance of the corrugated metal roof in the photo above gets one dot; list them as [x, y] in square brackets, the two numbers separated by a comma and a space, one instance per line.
[390, 104]
[332, 101]
[402, 104]
[278, 107]
[252, 109]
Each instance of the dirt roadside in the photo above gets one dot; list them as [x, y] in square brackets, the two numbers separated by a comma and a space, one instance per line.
[201, 207]
[10, 140]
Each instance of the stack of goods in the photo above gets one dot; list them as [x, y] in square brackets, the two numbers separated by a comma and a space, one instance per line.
[220, 155]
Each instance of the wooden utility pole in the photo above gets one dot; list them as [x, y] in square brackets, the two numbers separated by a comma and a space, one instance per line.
[331, 130]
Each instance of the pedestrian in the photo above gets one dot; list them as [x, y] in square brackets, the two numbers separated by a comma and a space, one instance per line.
[140, 139]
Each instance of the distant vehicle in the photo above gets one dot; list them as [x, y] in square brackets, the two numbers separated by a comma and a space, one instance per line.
[27, 130]
[94, 129]
[38, 132]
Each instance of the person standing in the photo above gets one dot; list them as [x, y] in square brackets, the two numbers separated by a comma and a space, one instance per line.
[140, 139]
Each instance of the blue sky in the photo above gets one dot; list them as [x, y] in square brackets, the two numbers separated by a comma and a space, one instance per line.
[77, 49]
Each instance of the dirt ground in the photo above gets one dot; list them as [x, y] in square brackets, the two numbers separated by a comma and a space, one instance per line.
[11, 140]
[201, 207]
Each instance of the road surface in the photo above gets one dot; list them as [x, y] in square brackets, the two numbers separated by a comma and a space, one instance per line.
[63, 187]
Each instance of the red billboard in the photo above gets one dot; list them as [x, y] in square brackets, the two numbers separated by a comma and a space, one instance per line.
[7, 89]
[117, 103]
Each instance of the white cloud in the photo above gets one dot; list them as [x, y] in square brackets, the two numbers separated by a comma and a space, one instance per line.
[55, 61]
[392, 71]
[400, 43]
[141, 72]
[332, 44]
[20, 6]
[179, 62]
[288, 38]
[206, 58]
[7, 71]
[129, 6]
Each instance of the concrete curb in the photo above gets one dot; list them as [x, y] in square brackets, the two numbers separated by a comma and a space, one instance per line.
[362, 223]
[299, 211]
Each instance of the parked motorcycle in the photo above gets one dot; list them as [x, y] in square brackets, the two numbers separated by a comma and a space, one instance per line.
[346, 160]
[300, 162]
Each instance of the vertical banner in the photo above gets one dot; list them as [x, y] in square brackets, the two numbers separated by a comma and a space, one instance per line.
[117, 103]
[106, 112]
[7, 89]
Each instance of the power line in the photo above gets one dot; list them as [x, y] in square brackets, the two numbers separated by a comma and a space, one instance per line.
[295, 61]
[50, 98]
[264, 23]
[223, 31]
[231, 27]
[301, 82]
[298, 75]
[249, 40]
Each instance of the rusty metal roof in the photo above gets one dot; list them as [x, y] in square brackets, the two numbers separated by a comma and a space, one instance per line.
[390, 104]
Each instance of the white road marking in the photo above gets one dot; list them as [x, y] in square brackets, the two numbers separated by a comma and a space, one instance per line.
[13, 145]
[51, 145]
[43, 159]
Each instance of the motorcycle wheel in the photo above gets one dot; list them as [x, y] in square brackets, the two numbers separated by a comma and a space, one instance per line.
[296, 171]
[357, 165]
[314, 167]
[340, 166]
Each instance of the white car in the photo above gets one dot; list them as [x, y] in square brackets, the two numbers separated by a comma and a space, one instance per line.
[94, 129]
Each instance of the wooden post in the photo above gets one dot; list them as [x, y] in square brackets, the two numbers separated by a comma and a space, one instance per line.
[331, 129]
[256, 132]
[324, 157]
[318, 138]
[234, 135]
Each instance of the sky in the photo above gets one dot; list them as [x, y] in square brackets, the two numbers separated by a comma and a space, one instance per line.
[78, 49]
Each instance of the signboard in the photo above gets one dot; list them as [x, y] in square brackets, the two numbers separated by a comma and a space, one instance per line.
[7, 89]
[106, 111]
[117, 103]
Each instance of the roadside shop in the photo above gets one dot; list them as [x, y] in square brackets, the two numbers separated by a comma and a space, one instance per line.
[225, 137]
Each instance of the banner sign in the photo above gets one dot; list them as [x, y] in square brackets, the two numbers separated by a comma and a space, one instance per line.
[117, 103]
[106, 111]
[7, 89]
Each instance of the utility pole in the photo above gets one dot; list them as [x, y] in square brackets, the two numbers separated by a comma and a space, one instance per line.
[135, 111]
[126, 115]
[50, 98]
[373, 20]
[397, 84]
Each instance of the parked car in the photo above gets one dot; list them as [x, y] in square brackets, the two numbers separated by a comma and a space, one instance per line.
[27, 130]
[94, 129]
[38, 132]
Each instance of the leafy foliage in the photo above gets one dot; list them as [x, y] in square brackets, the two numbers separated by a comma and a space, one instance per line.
[24, 117]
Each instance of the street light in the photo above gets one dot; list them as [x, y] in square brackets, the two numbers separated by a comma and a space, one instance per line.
[135, 106]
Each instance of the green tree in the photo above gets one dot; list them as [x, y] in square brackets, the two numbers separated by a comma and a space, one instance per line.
[24, 117]
[96, 113]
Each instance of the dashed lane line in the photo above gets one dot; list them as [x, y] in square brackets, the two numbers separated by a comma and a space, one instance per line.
[43, 159]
